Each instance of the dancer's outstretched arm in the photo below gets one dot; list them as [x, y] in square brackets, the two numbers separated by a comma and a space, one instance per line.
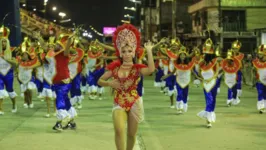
[151, 66]
[163, 40]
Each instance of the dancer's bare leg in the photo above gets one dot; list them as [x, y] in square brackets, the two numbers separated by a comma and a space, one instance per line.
[132, 128]
[119, 121]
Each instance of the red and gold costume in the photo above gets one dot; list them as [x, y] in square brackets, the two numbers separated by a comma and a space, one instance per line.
[127, 97]
[260, 68]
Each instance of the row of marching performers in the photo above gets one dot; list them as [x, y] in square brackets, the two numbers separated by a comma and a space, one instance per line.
[55, 68]
[175, 67]
[85, 68]
[54, 59]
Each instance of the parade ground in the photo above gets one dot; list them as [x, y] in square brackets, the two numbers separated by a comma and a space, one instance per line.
[237, 128]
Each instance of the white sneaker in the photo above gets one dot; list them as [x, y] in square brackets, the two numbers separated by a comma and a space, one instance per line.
[47, 115]
[209, 125]
[179, 112]
[14, 110]
[79, 106]
[218, 90]
[40, 96]
[25, 105]
[229, 102]
[1, 113]
[31, 105]
[236, 101]
[172, 106]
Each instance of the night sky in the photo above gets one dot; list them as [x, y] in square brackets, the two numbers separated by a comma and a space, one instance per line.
[97, 13]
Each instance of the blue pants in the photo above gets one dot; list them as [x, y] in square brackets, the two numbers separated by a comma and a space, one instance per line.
[62, 99]
[140, 86]
[219, 82]
[159, 75]
[210, 99]
[46, 85]
[75, 86]
[232, 93]
[182, 94]
[91, 79]
[83, 80]
[261, 91]
[39, 85]
[239, 80]
[98, 73]
[170, 82]
[7, 81]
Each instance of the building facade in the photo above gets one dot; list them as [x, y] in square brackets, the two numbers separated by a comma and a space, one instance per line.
[244, 20]
[157, 18]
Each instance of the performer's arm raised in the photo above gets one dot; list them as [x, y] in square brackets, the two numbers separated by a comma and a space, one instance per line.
[67, 49]
[151, 66]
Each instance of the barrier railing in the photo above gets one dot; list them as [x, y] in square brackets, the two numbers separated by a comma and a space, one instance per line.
[31, 22]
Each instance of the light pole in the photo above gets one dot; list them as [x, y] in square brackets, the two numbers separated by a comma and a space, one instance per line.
[136, 9]
[45, 4]
[173, 19]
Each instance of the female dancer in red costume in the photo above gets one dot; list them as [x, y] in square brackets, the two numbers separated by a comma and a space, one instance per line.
[125, 73]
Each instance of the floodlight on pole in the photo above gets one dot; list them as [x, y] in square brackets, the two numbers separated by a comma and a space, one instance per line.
[54, 8]
[61, 14]
[45, 2]
[134, 1]
[132, 8]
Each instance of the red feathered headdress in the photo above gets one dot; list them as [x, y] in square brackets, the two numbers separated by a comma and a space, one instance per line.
[124, 35]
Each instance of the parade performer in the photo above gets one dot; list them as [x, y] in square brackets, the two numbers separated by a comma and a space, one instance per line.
[48, 91]
[231, 66]
[48, 68]
[6, 70]
[159, 72]
[220, 69]
[24, 46]
[39, 74]
[260, 73]
[169, 68]
[94, 63]
[183, 68]
[208, 75]
[75, 68]
[196, 59]
[84, 72]
[159, 67]
[59, 57]
[100, 70]
[128, 106]
[182, 71]
[27, 63]
[236, 45]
